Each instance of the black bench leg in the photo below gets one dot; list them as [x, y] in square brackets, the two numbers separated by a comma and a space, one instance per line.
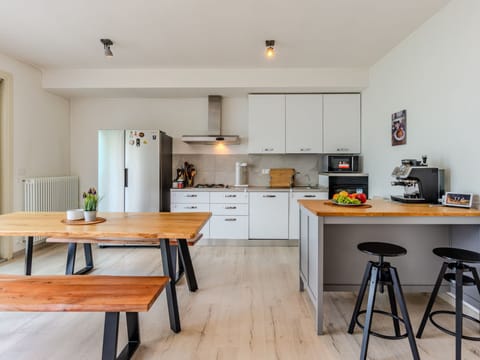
[28, 255]
[71, 254]
[110, 336]
[186, 261]
[431, 301]
[169, 271]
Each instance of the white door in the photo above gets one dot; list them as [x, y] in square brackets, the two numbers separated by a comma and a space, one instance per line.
[142, 161]
[266, 124]
[304, 123]
[341, 123]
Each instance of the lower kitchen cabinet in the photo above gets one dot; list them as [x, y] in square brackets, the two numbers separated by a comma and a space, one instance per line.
[293, 230]
[268, 215]
[229, 215]
[229, 227]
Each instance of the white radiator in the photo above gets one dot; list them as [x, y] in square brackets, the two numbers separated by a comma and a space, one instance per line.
[50, 193]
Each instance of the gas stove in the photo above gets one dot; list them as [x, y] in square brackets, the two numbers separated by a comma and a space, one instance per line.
[211, 186]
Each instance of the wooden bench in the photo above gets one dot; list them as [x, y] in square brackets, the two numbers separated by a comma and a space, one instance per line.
[91, 293]
[178, 246]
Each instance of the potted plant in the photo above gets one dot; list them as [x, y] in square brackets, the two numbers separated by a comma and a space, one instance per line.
[90, 200]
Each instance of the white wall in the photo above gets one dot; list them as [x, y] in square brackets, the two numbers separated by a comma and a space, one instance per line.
[41, 127]
[435, 75]
[179, 116]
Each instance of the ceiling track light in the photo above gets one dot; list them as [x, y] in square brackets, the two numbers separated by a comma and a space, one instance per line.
[270, 48]
[106, 46]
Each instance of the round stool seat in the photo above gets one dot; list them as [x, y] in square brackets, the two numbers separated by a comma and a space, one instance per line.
[455, 254]
[381, 249]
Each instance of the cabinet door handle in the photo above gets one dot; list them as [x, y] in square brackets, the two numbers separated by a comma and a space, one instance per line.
[230, 196]
[230, 207]
[310, 196]
[191, 195]
[190, 207]
[305, 149]
[230, 219]
[268, 149]
[269, 196]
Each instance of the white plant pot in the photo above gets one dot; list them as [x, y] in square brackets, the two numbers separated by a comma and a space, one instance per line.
[90, 215]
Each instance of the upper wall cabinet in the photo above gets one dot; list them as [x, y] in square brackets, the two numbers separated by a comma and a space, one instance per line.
[303, 123]
[341, 123]
[266, 124]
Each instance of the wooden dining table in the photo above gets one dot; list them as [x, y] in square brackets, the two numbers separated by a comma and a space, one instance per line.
[153, 228]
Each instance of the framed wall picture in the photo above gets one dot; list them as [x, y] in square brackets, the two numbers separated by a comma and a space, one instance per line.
[399, 128]
[458, 199]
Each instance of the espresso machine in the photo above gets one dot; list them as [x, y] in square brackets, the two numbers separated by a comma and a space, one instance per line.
[422, 184]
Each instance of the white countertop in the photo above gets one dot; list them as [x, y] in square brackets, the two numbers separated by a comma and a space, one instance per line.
[257, 188]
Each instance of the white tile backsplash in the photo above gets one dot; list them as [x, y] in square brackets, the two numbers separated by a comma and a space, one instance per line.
[220, 169]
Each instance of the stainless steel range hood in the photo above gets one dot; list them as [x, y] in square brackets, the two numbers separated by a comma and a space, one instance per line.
[214, 127]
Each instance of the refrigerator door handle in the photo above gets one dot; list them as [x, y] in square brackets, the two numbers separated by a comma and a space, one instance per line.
[125, 177]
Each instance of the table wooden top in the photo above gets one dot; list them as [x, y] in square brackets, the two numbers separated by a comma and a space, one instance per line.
[80, 292]
[381, 207]
[150, 225]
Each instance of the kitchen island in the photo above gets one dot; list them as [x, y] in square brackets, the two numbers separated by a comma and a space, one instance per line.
[329, 234]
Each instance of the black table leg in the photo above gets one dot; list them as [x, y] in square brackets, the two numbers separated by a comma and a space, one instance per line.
[71, 254]
[169, 271]
[28, 255]
[186, 261]
[176, 256]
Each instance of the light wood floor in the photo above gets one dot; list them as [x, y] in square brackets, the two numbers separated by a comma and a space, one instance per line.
[247, 307]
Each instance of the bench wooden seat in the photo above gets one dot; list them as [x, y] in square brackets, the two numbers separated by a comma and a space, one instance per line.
[179, 248]
[91, 293]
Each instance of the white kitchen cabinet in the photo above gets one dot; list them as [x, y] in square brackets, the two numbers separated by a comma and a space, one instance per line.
[268, 215]
[304, 123]
[293, 228]
[229, 215]
[266, 124]
[341, 123]
[192, 201]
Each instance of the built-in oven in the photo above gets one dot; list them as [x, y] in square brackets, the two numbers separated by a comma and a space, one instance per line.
[351, 183]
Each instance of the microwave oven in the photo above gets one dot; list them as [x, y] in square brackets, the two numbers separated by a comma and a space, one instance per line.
[341, 163]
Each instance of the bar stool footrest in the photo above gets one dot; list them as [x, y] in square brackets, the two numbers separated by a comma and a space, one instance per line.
[449, 332]
[383, 336]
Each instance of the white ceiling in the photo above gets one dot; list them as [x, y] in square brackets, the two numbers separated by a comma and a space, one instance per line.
[64, 34]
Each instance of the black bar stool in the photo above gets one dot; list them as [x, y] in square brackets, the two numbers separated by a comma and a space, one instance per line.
[383, 274]
[456, 259]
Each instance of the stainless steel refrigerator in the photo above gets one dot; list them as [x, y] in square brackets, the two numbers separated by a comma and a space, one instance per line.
[134, 170]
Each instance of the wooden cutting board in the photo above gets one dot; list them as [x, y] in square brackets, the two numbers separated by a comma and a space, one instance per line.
[281, 177]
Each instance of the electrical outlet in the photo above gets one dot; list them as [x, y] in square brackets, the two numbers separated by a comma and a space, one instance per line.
[265, 171]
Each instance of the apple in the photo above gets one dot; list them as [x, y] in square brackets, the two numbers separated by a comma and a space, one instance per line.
[362, 197]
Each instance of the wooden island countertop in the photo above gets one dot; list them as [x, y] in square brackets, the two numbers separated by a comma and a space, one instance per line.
[387, 208]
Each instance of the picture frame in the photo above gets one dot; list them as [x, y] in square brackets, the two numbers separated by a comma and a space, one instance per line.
[399, 128]
[458, 199]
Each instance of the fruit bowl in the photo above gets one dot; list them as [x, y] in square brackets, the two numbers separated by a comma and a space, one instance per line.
[341, 204]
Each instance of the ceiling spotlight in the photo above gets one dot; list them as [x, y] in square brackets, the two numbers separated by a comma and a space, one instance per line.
[270, 48]
[106, 46]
